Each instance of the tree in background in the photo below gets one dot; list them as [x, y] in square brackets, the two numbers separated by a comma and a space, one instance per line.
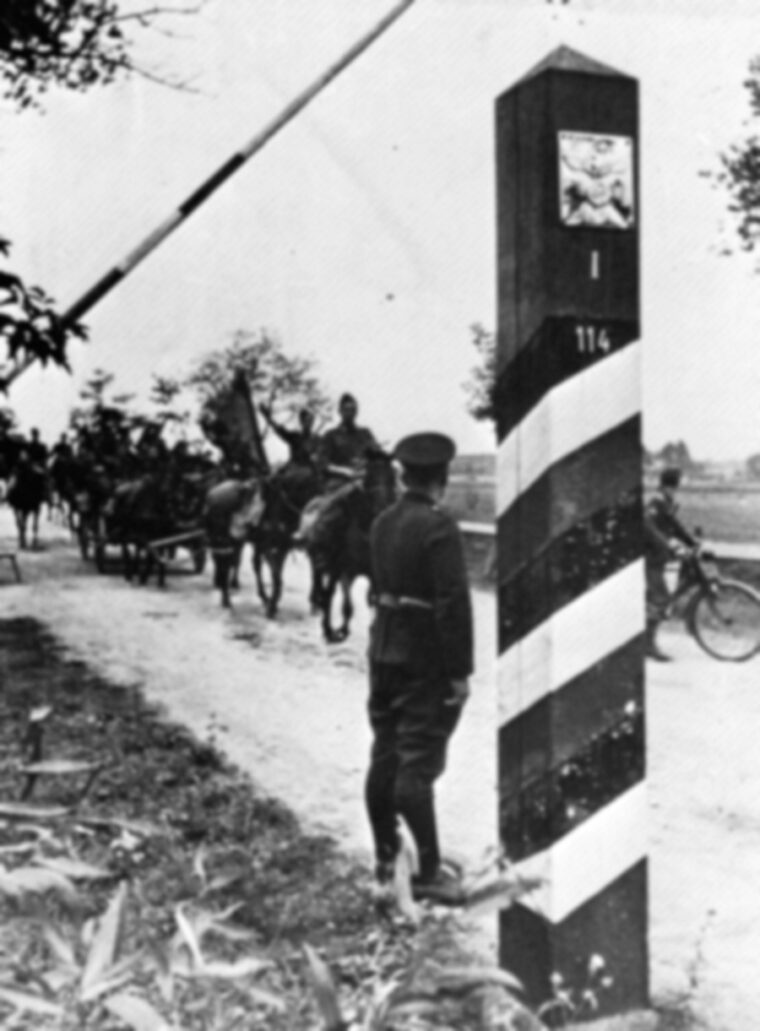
[164, 396]
[104, 414]
[739, 174]
[753, 467]
[481, 387]
[73, 44]
[286, 382]
[676, 453]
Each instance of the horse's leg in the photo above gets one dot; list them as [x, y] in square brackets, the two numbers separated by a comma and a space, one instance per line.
[258, 560]
[328, 593]
[36, 527]
[233, 574]
[21, 527]
[277, 558]
[126, 559]
[314, 591]
[160, 571]
[348, 605]
[318, 588]
[222, 564]
[144, 561]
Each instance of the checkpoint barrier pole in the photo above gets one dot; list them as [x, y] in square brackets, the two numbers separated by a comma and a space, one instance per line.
[116, 274]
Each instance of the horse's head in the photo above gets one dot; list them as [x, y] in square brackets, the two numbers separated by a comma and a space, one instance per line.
[379, 482]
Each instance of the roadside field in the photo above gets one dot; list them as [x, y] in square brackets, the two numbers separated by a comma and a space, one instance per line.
[723, 514]
[471, 499]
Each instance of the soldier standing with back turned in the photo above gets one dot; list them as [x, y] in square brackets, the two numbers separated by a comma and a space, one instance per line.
[421, 655]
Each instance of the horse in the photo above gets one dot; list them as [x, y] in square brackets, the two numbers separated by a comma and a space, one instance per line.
[338, 542]
[231, 508]
[285, 495]
[27, 492]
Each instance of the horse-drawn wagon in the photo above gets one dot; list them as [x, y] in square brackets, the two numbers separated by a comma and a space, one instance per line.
[149, 520]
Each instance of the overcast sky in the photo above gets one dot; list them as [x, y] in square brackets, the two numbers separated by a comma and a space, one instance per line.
[364, 233]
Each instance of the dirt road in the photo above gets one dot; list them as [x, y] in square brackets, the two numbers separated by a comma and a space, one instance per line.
[290, 711]
[283, 705]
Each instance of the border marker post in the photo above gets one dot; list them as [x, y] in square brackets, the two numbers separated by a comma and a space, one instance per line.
[572, 808]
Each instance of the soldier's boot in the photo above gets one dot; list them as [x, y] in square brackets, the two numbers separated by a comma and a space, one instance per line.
[437, 881]
[443, 888]
[653, 650]
[384, 887]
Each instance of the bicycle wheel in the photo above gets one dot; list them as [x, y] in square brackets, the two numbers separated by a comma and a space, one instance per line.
[726, 621]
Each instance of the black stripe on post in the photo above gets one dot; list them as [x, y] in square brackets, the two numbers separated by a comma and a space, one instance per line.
[553, 355]
[612, 926]
[591, 705]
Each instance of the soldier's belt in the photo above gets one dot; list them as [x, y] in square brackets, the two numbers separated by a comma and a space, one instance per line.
[400, 601]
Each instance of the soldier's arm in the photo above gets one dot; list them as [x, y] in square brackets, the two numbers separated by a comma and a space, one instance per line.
[452, 608]
[679, 531]
[282, 432]
[655, 539]
[667, 524]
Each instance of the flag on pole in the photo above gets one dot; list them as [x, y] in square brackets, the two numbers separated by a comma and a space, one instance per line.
[234, 428]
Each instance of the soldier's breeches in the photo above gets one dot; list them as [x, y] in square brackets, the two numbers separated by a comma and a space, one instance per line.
[411, 725]
[657, 594]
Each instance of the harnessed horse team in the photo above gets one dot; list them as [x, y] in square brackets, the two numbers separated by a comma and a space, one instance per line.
[321, 501]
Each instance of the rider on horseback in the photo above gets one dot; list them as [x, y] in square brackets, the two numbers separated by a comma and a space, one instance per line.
[302, 471]
[344, 452]
[345, 446]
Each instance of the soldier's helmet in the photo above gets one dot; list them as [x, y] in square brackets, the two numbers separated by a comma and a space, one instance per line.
[670, 476]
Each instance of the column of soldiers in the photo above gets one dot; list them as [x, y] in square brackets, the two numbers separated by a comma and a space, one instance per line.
[421, 639]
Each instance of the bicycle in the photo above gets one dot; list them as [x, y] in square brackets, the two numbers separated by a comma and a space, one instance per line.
[723, 616]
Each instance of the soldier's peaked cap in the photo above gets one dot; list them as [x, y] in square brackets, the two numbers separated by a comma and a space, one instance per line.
[425, 450]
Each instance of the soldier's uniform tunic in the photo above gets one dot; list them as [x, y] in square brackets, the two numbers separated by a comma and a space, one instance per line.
[661, 527]
[420, 641]
[346, 445]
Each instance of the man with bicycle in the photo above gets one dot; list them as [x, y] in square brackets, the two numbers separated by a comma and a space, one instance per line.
[665, 539]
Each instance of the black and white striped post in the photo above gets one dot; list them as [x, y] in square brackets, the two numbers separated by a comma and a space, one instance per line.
[569, 523]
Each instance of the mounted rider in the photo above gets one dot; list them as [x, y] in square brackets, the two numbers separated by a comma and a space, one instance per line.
[303, 467]
[345, 446]
[37, 451]
[344, 452]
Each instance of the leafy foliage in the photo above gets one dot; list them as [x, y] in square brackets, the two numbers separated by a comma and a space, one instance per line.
[481, 386]
[29, 324]
[740, 171]
[285, 381]
[73, 44]
[102, 412]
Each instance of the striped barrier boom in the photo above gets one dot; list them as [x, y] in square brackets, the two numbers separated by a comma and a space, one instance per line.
[182, 212]
[571, 750]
